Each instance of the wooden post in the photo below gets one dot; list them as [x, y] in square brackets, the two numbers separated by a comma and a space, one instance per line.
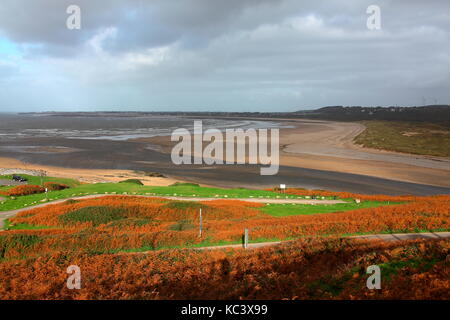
[201, 224]
[245, 238]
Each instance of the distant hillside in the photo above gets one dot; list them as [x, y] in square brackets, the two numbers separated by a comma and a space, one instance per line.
[432, 113]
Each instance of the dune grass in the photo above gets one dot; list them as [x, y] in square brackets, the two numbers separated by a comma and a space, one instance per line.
[408, 137]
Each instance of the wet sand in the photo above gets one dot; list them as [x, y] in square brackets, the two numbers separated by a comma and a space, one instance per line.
[314, 154]
[335, 139]
[327, 145]
[246, 176]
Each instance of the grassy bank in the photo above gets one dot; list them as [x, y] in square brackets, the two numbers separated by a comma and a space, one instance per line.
[408, 137]
[135, 224]
[282, 210]
[33, 180]
[134, 189]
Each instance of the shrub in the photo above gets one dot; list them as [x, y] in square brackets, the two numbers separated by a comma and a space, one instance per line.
[347, 195]
[71, 201]
[134, 181]
[24, 190]
[18, 242]
[121, 223]
[184, 205]
[184, 184]
[304, 270]
[154, 174]
[95, 215]
[54, 186]
[181, 226]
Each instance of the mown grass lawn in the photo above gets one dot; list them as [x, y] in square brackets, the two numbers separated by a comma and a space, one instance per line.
[181, 190]
[282, 210]
[33, 180]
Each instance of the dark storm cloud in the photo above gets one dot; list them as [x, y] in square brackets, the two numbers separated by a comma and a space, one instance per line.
[251, 54]
[140, 23]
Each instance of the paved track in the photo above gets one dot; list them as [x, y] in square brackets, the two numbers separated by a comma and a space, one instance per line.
[380, 237]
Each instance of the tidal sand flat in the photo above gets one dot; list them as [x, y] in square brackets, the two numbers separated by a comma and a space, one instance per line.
[315, 154]
[329, 146]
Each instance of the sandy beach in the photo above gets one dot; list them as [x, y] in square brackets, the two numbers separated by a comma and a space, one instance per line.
[325, 145]
[328, 145]
[88, 175]
[313, 154]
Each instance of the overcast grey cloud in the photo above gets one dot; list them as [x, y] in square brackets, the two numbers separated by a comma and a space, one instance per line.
[241, 55]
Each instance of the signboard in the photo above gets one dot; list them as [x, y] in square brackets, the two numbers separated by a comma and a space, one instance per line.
[282, 186]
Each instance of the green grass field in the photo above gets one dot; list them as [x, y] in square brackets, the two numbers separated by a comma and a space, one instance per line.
[182, 190]
[408, 137]
[4, 188]
[282, 210]
[33, 180]
[23, 226]
[99, 215]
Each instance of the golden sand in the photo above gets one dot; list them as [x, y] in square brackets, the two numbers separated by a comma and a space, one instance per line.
[87, 175]
[321, 145]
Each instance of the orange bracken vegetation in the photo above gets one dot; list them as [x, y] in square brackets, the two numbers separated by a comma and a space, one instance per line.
[348, 195]
[23, 190]
[305, 269]
[432, 213]
[134, 222]
[55, 186]
[117, 223]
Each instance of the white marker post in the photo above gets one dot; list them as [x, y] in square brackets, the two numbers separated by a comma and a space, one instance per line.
[201, 224]
[283, 188]
[245, 238]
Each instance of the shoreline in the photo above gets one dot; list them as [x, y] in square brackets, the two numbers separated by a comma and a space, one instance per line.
[339, 153]
[310, 144]
[88, 175]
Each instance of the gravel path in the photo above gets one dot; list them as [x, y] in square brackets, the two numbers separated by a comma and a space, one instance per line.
[6, 182]
[381, 237]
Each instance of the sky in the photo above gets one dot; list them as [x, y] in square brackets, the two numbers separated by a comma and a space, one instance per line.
[233, 55]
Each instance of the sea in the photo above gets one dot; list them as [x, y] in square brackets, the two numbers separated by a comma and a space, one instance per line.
[109, 126]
